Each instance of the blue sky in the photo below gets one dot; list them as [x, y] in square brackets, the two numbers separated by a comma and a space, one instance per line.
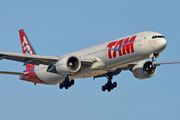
[58, 27]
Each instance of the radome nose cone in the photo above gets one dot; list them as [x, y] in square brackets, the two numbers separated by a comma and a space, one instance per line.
[163, 43]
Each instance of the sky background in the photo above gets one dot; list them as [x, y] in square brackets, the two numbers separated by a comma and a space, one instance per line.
[57, 27]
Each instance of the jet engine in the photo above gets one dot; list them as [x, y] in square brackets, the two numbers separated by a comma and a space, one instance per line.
[66, 65]
[144, 70]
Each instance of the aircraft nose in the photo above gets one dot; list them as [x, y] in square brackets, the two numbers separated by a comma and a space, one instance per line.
[163, 43]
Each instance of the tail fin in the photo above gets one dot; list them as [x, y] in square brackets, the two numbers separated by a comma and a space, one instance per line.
[27, 48]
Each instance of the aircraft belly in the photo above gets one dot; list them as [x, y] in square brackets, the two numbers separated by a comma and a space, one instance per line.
[88, 73]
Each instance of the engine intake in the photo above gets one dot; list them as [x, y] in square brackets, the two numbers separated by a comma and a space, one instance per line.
[144, 70]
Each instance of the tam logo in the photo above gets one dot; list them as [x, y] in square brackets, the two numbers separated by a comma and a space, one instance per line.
[26, 47]
[123, 47]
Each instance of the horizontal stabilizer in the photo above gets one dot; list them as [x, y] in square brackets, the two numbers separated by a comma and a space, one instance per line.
[14, 73]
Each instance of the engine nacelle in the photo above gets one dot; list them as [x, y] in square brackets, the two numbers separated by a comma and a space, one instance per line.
[66, 65]
[144, 70]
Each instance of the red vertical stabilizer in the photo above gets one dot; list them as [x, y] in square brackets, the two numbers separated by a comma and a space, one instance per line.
[27, 48]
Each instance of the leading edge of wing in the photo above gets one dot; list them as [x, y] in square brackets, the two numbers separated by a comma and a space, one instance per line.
[28, 59]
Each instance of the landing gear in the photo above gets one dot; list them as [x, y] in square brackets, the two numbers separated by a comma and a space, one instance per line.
[154, 56]
[109, 85]
[66, 83]
[153, 59]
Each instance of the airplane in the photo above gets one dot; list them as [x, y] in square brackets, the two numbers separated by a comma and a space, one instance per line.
[104, 60]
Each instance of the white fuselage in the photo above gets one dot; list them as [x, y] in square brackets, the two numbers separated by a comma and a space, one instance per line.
[109, 56]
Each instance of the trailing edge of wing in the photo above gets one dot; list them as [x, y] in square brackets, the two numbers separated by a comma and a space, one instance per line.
[14, 73]
[29, 59]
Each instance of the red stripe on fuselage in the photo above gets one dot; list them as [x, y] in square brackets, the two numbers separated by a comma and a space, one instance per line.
[31, 77]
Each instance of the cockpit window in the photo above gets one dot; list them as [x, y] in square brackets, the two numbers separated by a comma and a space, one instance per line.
[157, 37]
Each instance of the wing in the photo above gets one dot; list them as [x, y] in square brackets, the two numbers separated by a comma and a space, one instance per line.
[131, 65]
[38, 59]
[29, 59]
